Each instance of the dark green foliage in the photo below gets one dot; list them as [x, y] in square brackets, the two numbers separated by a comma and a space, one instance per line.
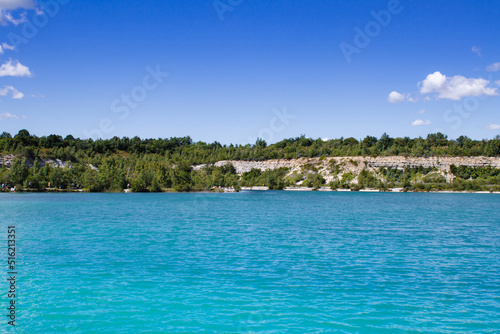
[367, 180]
[181, 177]
[260, 143]
[91, 181]
[314, 181]
[385, 142]
[19, 171]
[392, 175]
[215, 177]
[251, 178]
[369, 141]
[5, 135]
[274, 179]
[69, 148]
[434, 178]
[160, 164]
[346, 179]
[466, 172]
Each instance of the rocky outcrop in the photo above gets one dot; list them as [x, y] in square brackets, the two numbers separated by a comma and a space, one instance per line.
[331, 169]
[6, 160]
[355, 164]
[334, 168]
[246, 166]
[442, 163]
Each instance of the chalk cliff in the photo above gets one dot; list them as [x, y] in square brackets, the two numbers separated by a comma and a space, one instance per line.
[355, 165]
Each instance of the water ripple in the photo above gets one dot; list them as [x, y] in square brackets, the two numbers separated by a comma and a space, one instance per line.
[270, 262]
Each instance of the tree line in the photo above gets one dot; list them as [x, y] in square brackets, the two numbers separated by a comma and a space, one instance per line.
[158, 164]
[185, 149]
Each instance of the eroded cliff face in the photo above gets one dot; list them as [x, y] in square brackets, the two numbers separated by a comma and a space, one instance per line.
[360, 163]
[330, 168]
[355, 165]
[6, 160]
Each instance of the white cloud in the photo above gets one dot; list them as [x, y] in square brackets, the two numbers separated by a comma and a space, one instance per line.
[476, 50]
[14, 69]
[493, 67]
[8, 47]
[9, 90]
[493, 127]
[6, 18]
[422, 111]
[497, 82]
[6, 6]
[395, 97]
[420, 122]
[455, 88]
[4, 47]
[432, 83]
[9, 116]
[16, 4]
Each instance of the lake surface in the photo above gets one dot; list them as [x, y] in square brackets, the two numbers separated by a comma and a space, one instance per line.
[254, 262]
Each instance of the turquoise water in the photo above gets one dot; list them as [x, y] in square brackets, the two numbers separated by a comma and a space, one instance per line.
[254, 262]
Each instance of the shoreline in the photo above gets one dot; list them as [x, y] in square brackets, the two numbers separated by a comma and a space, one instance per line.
[246, 189]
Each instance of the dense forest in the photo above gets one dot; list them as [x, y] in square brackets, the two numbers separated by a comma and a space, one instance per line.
[166, 164]
[184, 149]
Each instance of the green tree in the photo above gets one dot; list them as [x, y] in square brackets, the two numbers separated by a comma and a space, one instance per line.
[314, 180]
[58, 178]
[5, 135]
[182, 178]
[19, 171]
[91, 181]
[385, 141]
[260, 143]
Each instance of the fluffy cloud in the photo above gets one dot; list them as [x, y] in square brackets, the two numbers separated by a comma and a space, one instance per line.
[9, 90]
[16, 4]
[420, 122]
[9, 116]
[14, 68]
[493, 127]
[433, 82]
[395, 97]
[422, 111]
[455, 88]
[493, 67]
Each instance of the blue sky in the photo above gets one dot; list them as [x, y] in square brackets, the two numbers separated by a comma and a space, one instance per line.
[241, 69]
